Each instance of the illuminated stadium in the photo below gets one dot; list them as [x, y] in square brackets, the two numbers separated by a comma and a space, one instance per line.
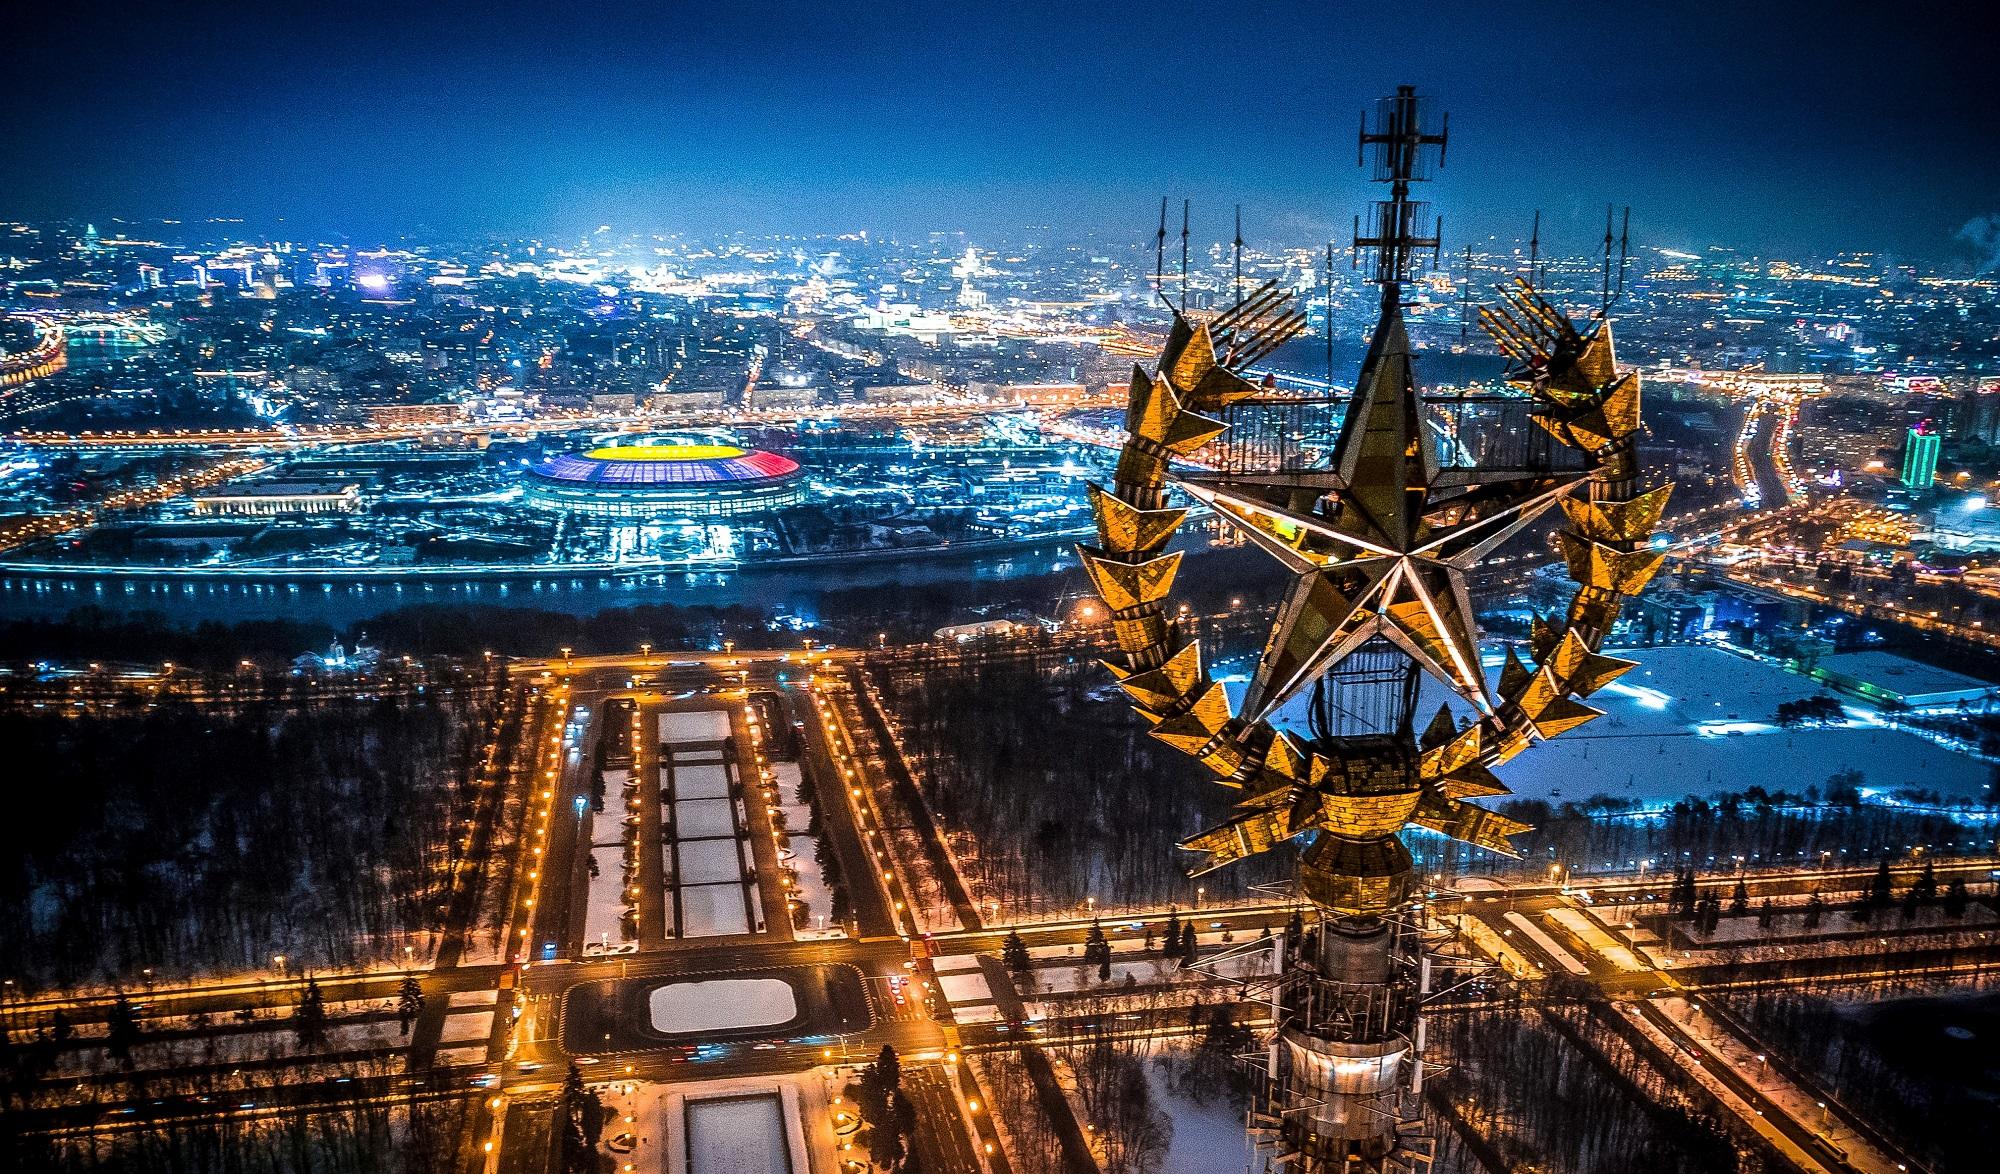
[649, 479]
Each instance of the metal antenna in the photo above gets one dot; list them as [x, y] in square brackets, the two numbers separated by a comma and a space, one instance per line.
[1160, 255]
[1239, 254]
[1604, 303]
[1396, 233]
[1624, 253]
[1329, 315]
[1185, 204]
[1465, 300]
[1534, 252]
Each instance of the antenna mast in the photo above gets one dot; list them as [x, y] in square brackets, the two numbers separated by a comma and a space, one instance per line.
[1396, 232]
[1160, 255]
[1604, 304]
[1465, 300]
[1534, 249]
[1185, 204]
[1624, 254]
[1329, 315]
[1239, 254]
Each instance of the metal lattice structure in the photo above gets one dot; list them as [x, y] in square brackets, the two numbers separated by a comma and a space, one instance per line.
[1379, 504]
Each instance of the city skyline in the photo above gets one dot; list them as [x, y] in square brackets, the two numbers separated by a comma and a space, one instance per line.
[794, 589]
[792, 119]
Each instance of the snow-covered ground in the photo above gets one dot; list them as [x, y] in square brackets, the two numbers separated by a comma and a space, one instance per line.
[722, 1004]
[739, 1135]
[707, 862]
[605, 905]
[810, 887]
[713, 910]
[700, 781]
[467, 1027]
[1208, 1139]
[1693, 719]
[788, 777]
[696, 725]
[703, 819]
[650, 1124]
[280, 1040]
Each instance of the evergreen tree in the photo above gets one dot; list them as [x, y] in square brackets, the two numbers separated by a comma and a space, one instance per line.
[1814, 907]
[309, 1018]
[121, 1030]
[592, 1116]
[1188, 944]
[1910, 904]
[1739, 899]
[409, 1003]
[1881, 893]
[576, 1151]
[1926, 887]
[1766, 914]
[1956, 899]
[1014, 954]
[879, 1096]
[1685, 898]
[1097, 949]
[1172, 938]
[888, 1069]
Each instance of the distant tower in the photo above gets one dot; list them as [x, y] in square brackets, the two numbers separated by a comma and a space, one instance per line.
[1920, 456]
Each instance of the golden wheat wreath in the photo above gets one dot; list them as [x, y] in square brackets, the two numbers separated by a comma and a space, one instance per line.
[1359, 797]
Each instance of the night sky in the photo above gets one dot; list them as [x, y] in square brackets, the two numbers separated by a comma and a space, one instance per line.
[1779, 126]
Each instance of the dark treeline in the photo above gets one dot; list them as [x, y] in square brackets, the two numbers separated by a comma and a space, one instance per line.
[371, 1137]
[1903, 1058]
[187, 841]
[94, 634]
[118, 637]
[1710, 833]
[1537, 1085]
[1054, 795]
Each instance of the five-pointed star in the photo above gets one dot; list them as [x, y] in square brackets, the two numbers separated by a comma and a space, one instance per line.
[1379, 543]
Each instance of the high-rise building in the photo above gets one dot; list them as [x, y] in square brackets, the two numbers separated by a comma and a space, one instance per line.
[1920, 456]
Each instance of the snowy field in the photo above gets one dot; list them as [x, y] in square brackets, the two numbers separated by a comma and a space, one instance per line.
[722, 1004]
[467, 1027]
[703, 781]
[713, 910]
[738, 1135]
[1208, 1139]
[698, 725]
[707, 862]
[702, 819]
[1692, 720]
[604, 907]
[810, 886]
[1695, 720]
